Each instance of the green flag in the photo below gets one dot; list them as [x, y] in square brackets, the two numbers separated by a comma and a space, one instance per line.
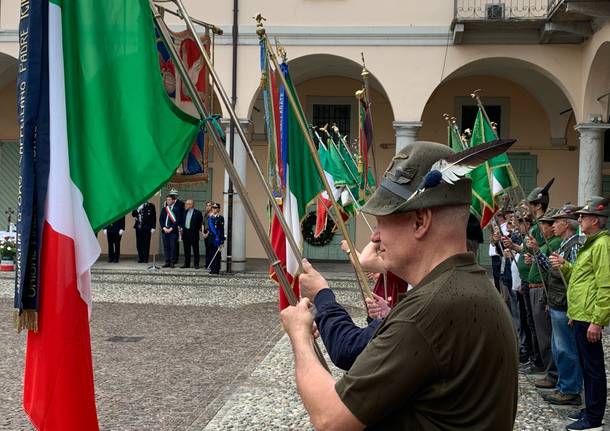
[482, 196]
[338, 168]
[454, 138]
[500, 177]
[125, 136]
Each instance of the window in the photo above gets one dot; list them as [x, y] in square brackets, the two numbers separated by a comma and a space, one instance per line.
[497, 108]
[339, 110]
[469, 114]
[338, 114]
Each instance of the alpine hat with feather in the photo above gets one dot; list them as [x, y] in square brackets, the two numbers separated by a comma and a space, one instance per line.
[427, 175]
[596, 205]
[540, 195]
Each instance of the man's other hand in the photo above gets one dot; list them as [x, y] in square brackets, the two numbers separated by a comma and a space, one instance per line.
[297, 320]
[378, 307]
[311, 282]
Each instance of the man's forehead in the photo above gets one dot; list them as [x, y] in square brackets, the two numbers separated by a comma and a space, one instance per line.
[393, 218]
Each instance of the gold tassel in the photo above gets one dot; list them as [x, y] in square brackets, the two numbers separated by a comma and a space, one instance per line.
[26, 319]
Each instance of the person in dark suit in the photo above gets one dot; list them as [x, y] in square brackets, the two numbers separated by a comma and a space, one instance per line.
[180, 209]
[114, 232]
[193, 221]
[215, 237]
[145, 222]
[169, 222]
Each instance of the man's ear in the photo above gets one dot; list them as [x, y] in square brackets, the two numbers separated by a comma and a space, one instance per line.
[422, 220]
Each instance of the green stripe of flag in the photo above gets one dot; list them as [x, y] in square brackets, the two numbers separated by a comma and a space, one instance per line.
[125, 136]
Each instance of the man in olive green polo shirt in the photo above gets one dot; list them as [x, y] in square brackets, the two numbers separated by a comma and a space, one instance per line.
[446, 356]
[589, 307]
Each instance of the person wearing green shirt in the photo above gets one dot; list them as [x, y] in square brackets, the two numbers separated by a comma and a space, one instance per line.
[537, 286]
[589, 308]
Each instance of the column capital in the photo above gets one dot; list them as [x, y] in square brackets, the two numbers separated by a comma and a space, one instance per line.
[408, 128]
[245, 122]
[592, 127]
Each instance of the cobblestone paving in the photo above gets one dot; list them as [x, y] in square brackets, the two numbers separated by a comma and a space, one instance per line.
[212, 356]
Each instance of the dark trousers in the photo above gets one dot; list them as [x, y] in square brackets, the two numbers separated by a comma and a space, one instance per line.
[591, 357]
[529, 316]
[542, 320]
[143, 244]
[212, 257]
[496, 265]
[525, 336]
[191, 243]
[114, 246]
[170, 246]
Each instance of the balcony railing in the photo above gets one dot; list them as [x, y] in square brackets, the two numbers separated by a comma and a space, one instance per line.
[497, 10]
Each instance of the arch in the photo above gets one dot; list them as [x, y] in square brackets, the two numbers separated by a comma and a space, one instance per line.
[313, 66]
[598, 85]
[8, 69]
[539, 82]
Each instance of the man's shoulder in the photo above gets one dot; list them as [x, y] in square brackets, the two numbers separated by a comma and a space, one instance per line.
[449, 289]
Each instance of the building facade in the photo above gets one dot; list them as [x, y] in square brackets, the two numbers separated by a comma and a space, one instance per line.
[543, 68]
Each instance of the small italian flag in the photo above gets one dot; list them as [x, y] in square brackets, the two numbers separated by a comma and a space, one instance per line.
[114, 139]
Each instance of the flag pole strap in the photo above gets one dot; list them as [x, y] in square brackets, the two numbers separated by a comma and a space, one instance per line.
[217, 140]
[222, 94]
[365, 290]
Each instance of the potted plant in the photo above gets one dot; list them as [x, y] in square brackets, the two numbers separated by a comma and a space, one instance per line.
[8, 251]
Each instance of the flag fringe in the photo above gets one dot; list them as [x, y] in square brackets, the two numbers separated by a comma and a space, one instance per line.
[26, 319]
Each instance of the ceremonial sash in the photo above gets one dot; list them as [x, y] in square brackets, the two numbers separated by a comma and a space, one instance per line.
[170, 215]
[214, 230]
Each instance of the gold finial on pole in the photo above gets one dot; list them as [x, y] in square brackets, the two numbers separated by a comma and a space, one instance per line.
[324, 129]
[475, 94]
[260, 28]
[360, 94]
[336, 129]
[365, 72]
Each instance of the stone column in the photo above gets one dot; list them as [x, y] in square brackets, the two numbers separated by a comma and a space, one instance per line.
[406, 133]
[590, 159]
[238, 237]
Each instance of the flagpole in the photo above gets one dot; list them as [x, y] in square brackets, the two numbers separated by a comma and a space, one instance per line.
[220, 91]
[217, 140]
[475, 95]
[362, 280]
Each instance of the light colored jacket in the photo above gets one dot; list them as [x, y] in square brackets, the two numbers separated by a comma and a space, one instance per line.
[589, 281]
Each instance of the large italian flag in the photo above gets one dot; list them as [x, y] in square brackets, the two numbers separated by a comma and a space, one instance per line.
[302, 183]
[115, 139]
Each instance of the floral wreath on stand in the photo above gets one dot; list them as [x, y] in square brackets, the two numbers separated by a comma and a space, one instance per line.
[308, 228]
[8, 248]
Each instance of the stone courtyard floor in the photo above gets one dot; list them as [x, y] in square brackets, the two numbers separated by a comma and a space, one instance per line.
[183, 350]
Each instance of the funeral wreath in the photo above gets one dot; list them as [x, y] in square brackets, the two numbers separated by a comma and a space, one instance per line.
[8, 249]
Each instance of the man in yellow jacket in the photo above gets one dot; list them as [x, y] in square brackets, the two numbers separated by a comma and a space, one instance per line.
[589, 308]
